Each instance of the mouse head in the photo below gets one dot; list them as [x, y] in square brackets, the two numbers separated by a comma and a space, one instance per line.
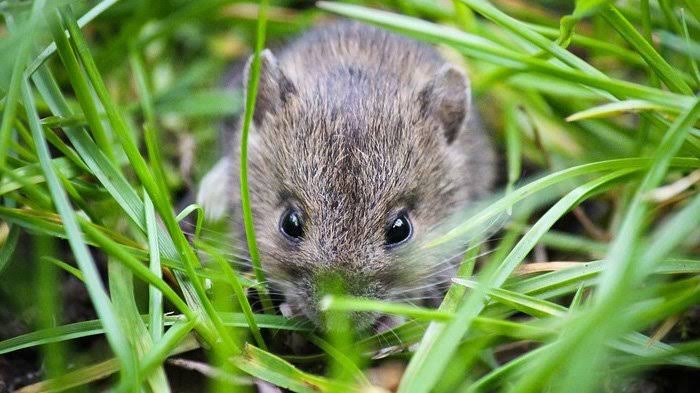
[350, 174]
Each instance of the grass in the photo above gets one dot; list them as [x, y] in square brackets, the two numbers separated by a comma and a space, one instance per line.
[592, 103]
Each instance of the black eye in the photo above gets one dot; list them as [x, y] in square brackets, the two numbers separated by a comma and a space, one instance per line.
[291, 225]
[399, 231]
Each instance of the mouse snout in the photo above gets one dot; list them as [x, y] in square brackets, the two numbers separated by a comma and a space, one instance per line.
[312, 289]
[346, 283]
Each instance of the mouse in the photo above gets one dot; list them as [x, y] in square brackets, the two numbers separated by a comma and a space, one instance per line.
[363, 145]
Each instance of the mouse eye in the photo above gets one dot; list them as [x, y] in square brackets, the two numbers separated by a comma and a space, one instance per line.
[291, 225]
[399, 231]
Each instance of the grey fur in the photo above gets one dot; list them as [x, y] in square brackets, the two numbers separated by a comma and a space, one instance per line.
[352, 125]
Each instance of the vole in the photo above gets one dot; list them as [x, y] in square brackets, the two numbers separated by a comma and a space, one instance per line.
[363, 143]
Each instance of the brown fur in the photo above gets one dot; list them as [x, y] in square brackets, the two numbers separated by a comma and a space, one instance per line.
[353, 124]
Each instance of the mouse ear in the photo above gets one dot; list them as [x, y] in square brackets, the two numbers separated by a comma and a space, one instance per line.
[274, 88]
[447, 97]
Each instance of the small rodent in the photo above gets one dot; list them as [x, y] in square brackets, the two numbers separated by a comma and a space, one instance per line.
[363, 144]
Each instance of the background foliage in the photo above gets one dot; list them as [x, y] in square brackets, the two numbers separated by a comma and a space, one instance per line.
[110, 115]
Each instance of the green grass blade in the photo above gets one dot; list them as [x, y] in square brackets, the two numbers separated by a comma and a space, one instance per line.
[541, 184]
[121, 288]
[164, 347]
[92, 373]
[77, 378]
[616, 108]
[150, 125]
[273, 369]
[349, 303]
[113, 249]
[251, 95]
[346, 362]
[657, 63]
[432, 356]
[193, 288]
[489, 11]
[155, 297]
[688, 44]
[100, 166]
[481, 48]
[80, 84]
[93, 282]
[513, 147]
[523, 303]
[7, 248]
[582, 343]
[88, 17]
[235, 283]
[47, 284]
[13, 93]
[68, 268]
[199, 220]
[621, 249]
[93, 327]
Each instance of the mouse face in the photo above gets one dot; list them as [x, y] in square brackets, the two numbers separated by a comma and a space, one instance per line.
[350, 176]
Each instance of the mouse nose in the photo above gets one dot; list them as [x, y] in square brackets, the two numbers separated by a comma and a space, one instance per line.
[340, 283]
[342, 321]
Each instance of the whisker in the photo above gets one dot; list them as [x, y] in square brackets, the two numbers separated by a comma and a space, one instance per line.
[388, 329]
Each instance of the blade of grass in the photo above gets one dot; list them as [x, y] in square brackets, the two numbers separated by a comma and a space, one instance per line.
[155, 297]
[251, 95]
[545, 286]
[343, 360]
[489, 11]
[235, 283]
[49, 223]
[193, 288]
[89, 374]
[615, 108]
[164, 347]
[646, 33]
[663, 70]
[150, 126]
[523, 303]
[349, 303]
[570, 59]
[74, 379]
[688, 43]
[88, 17]
[621, 248]
[481, 48]
[572, 277]
[466, 269]
[93, 327]
[102, 168]
[433, 355]
[200, 218]
[13, 93]
[68, 268]
[538, 185]
[93, 282]
[669, 15]
[113, 249]
[585, 41]
[8, 246]
[513, 148]
[80, 84]
[121, 288]
[50, 304]
[582, 344]
[271, 368]
[567, 242]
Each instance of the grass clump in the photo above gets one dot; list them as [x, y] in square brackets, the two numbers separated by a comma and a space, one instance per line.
[104, 103]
